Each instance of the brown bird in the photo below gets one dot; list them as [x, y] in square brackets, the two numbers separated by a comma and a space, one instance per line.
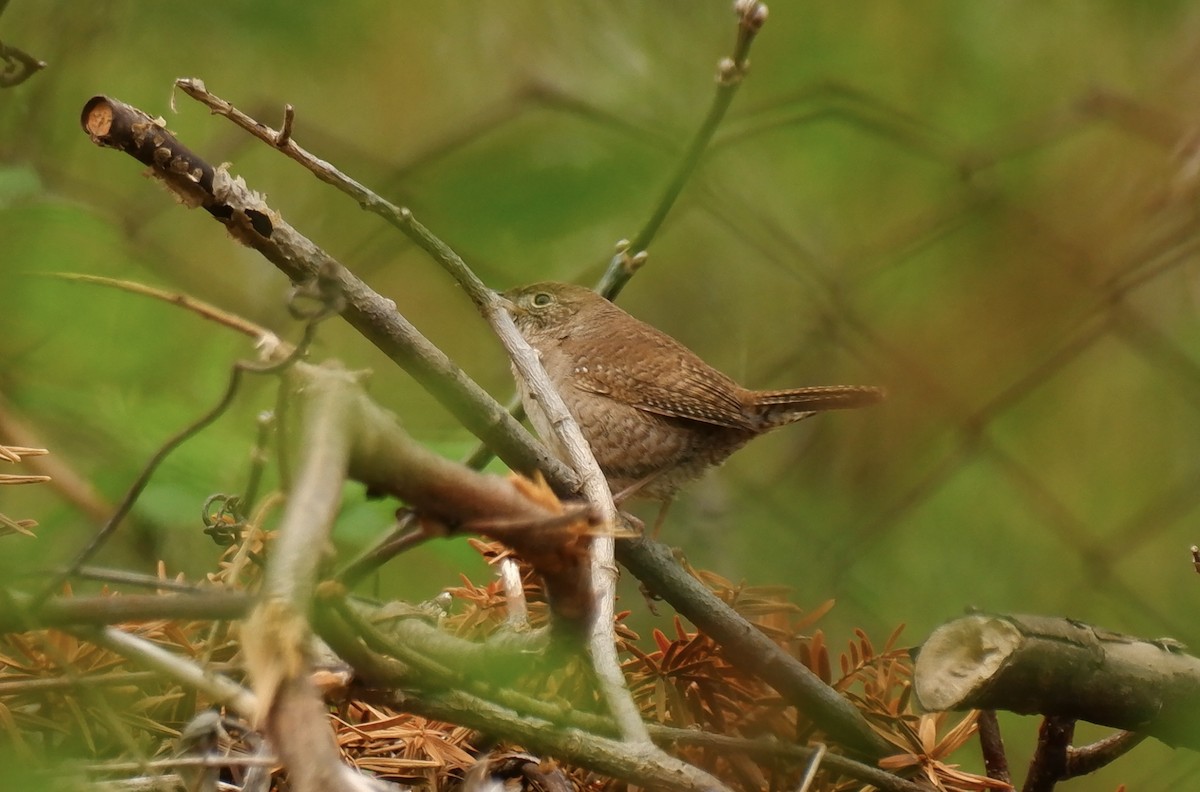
[655, 415]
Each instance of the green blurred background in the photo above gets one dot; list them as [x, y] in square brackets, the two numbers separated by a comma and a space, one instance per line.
[990, 208]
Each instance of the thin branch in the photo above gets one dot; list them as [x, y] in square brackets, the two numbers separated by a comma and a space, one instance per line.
[406, 534]
[1090, 758]
[749, 648]
[1049, 763]
[618, 759]
[267, 761]
[995, 761]
[773, 750]
[429, 658]
[220, 689]
[588, 749]
[13, 687]
[276, 358]
[138, 579]
[731, 71]
[810, 769]
[18, 615]
[187, 302]
[139, 484]
[276, 636]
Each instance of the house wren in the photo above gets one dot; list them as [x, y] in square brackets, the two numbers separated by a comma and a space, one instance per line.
[655, 415]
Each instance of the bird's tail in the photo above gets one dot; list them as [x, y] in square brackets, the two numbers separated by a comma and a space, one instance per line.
[779, 407]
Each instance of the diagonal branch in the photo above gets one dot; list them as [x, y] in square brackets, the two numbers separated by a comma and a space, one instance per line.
[252, 222]
[730, 73]
[748, 647]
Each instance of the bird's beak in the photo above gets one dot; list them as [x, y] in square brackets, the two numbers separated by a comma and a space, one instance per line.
[508, 304]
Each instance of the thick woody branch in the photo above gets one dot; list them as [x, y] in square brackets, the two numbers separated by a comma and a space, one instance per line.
[250, 220]
[1064, 669]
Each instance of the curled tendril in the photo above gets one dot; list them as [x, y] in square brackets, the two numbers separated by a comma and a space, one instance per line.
[16, 66]
[223, 518]
[317, 298]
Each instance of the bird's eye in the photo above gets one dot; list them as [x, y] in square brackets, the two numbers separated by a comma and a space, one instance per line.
[542, 299]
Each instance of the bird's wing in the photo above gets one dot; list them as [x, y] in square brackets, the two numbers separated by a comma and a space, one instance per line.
[686, 387]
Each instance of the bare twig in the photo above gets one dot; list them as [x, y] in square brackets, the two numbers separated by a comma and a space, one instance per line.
[811, 768]
[220, 689]
[1049, 763]
[404, 535]
[995, 761]
[276, 638]
[17, 615]
[205, 310]
[139, 484]
[749, 648]
[730, 73]
[13, 687]
[439, 661]
[605, 755]
[276, 358]
[138, 579]
[1090, 758]
[182, 761]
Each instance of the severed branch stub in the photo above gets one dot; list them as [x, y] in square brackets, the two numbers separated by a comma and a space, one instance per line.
[1065, 669]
